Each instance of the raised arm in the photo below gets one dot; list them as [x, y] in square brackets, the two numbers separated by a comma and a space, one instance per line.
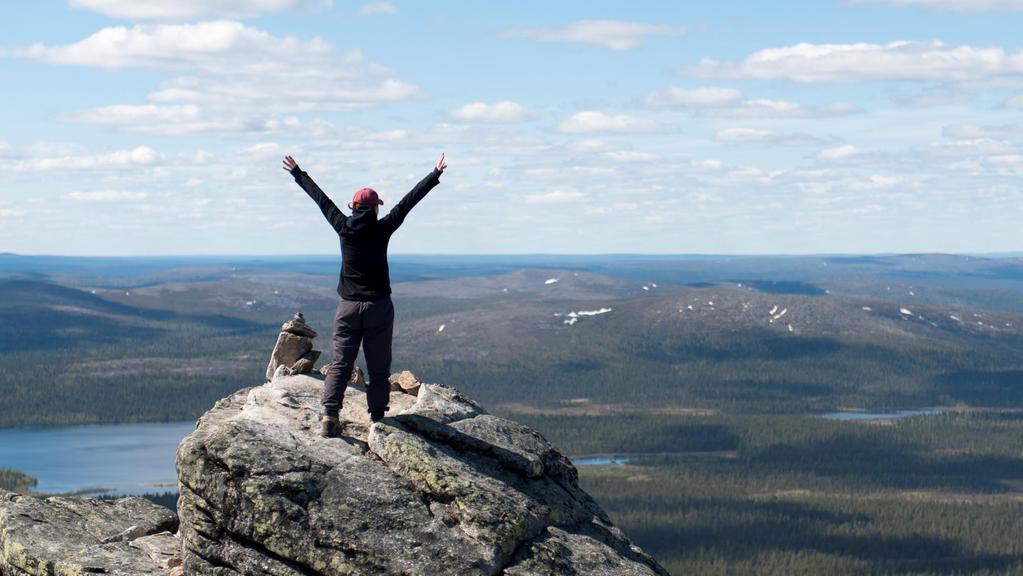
[327, 206]
[397, 215]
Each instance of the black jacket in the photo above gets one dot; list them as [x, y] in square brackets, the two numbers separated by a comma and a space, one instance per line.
[364, 238]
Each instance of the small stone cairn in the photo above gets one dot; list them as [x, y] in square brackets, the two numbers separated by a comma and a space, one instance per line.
[293, 353]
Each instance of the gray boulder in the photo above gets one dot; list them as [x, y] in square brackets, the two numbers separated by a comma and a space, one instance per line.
[74, 536]
[439, 487]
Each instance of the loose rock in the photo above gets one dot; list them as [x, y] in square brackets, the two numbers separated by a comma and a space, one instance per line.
[405, 381]
[305, 364]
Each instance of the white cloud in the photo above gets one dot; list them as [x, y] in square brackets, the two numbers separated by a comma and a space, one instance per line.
[744, 135]
[138, 156]
[613, 34]
[188, 9]
[933, 97]
[199, 156]
[177, 120]
[591, 121]
[903, 60]
[10, 213]
[613, 208]
[710, 164]
[1015, 102]
[966, 146]
[378, 8]
[1006, 159]
[631, 156]
[957, 5]
[555, 197]
[502, 111]
[729, 102]
[755, 135]
[590, 144]
[838, 152]
[106, 196]
[877, 182]
[696, 97]
[991, 131]
[396, 135]
[221, 47]
[141, 114]
[764, 108]
[263, 150]
[237, 74]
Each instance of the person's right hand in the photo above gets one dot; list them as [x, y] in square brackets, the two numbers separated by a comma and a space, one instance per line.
[289, 163]
[441, 164]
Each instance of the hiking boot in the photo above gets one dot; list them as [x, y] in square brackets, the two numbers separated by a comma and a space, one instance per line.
[376, 415]
[330, 426]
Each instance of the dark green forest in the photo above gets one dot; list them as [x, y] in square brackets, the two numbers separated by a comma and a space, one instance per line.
[802, 495]
[15, 481]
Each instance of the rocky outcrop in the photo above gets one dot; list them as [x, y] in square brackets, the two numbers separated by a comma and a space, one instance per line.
[439, 487]
[75, 536]
[293, 353]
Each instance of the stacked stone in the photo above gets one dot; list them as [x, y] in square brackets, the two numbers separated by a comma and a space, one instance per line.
[293, 353]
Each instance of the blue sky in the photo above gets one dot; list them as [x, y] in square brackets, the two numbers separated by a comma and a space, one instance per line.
[140, 127]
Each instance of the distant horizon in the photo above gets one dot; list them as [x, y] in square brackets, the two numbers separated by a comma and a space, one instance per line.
[536, 255]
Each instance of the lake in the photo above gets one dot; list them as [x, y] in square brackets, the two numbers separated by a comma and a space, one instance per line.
[98, 458]
[601, 460]
[880, 415]
[117, 459]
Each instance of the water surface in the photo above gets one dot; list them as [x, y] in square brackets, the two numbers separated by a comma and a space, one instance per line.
[880, 415]
[96, 458]
[601, 460]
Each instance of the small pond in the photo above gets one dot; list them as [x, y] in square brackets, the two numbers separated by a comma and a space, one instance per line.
[602, 460]
[881, 415]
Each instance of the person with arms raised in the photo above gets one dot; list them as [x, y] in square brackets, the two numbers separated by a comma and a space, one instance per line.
[365, 313]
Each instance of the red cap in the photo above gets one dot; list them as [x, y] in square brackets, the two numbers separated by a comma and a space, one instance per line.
[367, 196]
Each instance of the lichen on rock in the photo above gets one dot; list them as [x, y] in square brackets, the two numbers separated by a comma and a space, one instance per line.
[438, 487]
[61, 536]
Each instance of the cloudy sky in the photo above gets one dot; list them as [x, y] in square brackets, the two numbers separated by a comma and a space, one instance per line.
[147, 127]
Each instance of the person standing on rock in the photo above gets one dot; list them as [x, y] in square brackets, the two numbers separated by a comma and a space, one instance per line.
[365, 313]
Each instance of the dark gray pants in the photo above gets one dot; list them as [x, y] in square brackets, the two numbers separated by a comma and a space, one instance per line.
[370, 324]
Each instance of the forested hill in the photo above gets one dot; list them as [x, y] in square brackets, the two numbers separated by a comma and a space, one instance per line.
[896, 337]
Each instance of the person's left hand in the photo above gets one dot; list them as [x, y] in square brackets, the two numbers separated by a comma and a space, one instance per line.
[441, 164]
[290, 164]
